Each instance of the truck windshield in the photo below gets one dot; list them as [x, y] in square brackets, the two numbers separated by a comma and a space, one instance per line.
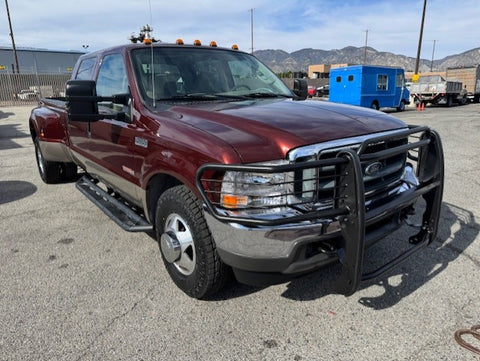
[182, 73]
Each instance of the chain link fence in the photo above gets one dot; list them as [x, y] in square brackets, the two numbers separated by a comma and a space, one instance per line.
[24, 89]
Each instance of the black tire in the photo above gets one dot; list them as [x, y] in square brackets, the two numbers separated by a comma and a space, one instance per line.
[449, 101]
[69, 171]
[401, 107]
[374, 105]
[50, 172]
[197, 269]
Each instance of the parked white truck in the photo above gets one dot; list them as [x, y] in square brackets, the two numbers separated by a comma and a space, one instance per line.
[435, 89]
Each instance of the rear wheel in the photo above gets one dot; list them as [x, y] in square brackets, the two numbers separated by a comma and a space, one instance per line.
[375, 105]
[187, 247]
[69, 171]
[54, 172]
[50, 172]
[449, 101]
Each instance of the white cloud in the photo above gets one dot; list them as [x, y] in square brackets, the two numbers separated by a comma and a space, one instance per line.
[289, 25]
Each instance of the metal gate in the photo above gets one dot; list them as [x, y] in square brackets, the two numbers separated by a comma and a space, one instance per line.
[22, 89]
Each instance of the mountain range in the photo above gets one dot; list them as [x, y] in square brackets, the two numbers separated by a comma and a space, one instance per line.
[281, 61]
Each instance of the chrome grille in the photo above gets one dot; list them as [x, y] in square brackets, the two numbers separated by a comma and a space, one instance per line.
[387, 175]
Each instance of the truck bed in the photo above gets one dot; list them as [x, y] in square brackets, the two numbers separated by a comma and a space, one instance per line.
[436, 85]
[57, 102]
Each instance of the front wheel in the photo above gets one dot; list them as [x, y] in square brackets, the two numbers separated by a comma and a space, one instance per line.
[401, 107]
[374, 105]
[187, 247]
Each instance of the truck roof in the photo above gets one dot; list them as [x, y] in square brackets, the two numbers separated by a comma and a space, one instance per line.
[358, 67]
[130, 46]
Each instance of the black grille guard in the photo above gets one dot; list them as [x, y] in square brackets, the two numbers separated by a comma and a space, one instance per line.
[349, 205]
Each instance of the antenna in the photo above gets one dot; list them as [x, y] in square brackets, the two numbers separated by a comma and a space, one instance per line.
[152, 71]
[144, 36]
[152, 67]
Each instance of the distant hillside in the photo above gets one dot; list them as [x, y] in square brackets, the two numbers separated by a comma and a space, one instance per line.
[281, 61]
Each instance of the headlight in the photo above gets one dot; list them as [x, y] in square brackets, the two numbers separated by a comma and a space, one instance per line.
[254, 190]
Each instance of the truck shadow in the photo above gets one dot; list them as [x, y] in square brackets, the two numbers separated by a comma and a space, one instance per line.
[11, 191]
[4, 115]
[9, 132]
[458, 230]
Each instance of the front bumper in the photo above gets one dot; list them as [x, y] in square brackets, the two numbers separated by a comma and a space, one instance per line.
[288, 246]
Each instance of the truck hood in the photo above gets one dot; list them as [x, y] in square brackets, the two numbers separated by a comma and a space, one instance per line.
[267, 129]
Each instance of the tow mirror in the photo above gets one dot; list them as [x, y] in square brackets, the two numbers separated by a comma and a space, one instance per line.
[82, 102]
[300, 89]
[81, 105]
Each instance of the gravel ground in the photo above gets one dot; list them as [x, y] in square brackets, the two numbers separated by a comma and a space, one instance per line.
[74, 286]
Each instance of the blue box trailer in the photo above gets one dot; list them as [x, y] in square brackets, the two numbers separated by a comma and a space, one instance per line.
[369, 86]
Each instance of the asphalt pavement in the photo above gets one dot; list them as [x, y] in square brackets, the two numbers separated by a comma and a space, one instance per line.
[75, 286]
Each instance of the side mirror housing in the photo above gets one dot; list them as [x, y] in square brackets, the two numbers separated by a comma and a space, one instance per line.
[300, 89]
[82, 102]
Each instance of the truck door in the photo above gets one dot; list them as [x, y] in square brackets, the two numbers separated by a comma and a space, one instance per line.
[400, 89]
[111, 141]
[78, 131]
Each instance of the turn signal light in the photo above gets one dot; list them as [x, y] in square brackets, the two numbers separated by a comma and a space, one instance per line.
[233, 201]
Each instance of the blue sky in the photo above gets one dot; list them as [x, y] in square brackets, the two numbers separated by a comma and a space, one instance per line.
[288, 25]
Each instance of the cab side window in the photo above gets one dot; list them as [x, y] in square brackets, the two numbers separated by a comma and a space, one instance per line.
[85, 70]
[112, 77]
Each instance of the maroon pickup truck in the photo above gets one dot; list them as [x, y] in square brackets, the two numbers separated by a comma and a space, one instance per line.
[232, 170]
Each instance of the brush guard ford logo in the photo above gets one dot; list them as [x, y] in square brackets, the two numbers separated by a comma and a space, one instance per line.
[373, 168]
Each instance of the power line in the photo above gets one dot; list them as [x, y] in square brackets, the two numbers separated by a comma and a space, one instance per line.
[433, 54]
[13, 39]
[417, 62]
[365, 51]
[251, 26]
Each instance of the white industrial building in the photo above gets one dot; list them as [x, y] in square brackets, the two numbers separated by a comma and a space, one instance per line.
[38, 61]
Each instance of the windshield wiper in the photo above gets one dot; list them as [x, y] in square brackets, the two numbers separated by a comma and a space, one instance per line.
[202, 96]
[266, 95]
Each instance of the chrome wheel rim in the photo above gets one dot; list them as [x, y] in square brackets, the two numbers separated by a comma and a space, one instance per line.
[177, 226]
[41, 165]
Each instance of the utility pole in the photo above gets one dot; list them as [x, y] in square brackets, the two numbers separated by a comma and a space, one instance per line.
[433, 54]
[13, 39]
[417, 63]
[251, 26]
[365, 51]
